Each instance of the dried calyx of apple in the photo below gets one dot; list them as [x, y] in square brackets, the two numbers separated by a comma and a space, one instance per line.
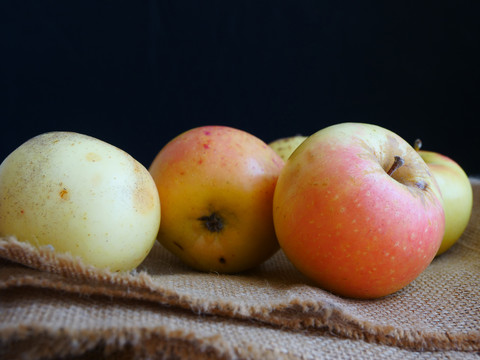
[213, 222]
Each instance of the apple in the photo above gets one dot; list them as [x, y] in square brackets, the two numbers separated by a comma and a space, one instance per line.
[77, 194]
[216, 184]
[456, 192]
[286, 146]
[357, 211]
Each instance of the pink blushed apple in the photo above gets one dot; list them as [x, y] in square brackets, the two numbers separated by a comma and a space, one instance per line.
[216, 184]
[357, 211]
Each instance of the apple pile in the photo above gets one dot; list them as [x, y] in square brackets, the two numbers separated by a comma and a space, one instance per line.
[354, 207]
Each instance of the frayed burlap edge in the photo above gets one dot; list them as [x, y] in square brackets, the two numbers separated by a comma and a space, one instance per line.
[158, 343]
[35, 341]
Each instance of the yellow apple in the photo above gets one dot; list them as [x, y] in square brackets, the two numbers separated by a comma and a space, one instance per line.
[216, 184]
[456, 192]
[82, 196]
[286, 146]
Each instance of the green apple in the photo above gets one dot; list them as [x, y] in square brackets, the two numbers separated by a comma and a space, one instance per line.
[286, 146]
[456, 193]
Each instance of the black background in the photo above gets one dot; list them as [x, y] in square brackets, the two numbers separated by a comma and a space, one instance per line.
[138, 73]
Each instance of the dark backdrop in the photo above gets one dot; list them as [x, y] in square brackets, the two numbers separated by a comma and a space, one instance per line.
[137, 73]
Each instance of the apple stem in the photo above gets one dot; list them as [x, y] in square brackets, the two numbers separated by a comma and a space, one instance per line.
[397, 163]
[213, 222]
[417, 145]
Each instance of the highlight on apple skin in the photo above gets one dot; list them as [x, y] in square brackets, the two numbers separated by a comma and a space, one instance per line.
[357, 210]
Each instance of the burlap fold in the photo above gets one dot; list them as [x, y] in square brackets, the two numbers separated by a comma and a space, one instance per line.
[164, 309]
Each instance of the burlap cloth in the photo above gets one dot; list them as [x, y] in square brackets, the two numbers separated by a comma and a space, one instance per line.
[53, 306]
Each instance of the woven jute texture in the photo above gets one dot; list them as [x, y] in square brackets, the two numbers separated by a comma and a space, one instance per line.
[53, 306]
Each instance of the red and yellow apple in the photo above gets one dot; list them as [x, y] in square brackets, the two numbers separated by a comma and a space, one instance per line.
[216, 184]
[456, 192]
[286, 146]
[353, 219]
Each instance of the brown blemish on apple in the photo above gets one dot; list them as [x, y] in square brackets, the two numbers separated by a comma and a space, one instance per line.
[93, 157]
[222, 260]
[64, 194]
[143, 199]
[422, 185]
[178, 245]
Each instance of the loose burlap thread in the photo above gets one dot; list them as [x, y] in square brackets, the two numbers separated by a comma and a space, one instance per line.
[52, 305]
